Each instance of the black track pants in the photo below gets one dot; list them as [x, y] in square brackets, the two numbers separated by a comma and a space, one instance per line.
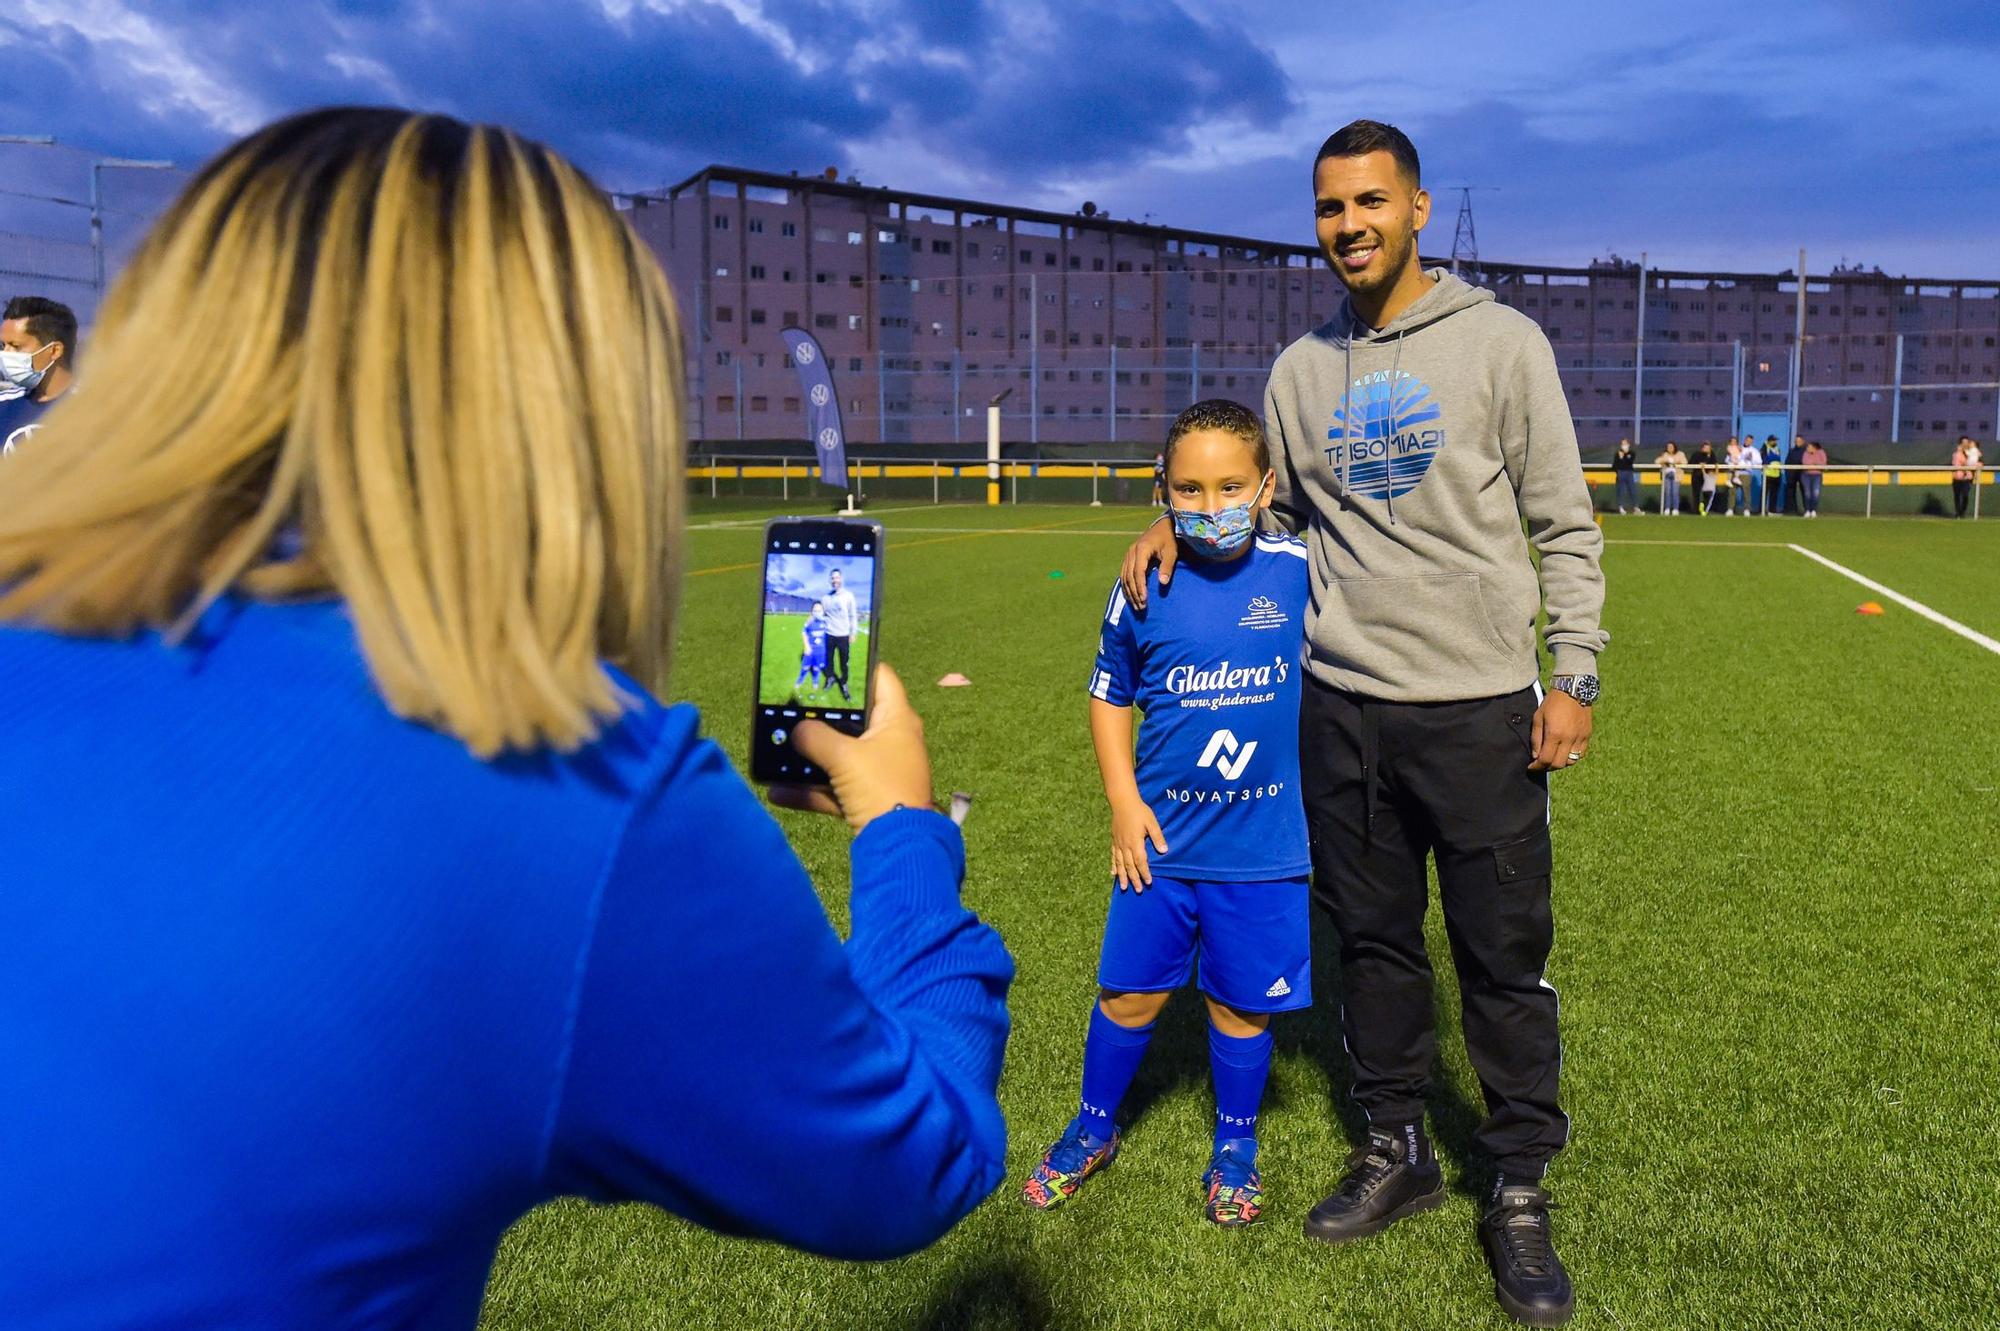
[1386, 785]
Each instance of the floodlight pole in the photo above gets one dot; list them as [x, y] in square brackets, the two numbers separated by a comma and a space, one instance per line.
[1736, 389]
[1639, 360]
[97, 207]
[1034, 368]
[1799, 344]
[1896, 397]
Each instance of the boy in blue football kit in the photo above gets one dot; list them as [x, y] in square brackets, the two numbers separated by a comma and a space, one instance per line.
[812, 649]
[1215, 792]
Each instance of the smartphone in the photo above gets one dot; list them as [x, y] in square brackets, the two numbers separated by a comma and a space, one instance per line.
[818, 609]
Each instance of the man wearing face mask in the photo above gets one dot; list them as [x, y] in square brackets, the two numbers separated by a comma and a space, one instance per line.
[37, 347]
[1425, 451]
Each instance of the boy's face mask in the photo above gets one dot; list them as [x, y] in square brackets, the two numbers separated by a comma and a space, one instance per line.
[1220, 533]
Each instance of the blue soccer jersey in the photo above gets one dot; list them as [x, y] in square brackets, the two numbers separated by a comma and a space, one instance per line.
[1214, 666]
[816, 641]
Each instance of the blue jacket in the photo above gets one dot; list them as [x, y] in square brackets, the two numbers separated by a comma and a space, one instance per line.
[301, 1005]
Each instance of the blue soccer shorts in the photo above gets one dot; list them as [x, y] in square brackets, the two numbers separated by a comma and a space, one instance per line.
[1249, 943]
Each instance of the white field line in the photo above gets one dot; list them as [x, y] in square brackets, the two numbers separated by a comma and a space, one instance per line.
[726, 524]
[1132, 533]
[1725, 545]
[1914, 607]
[895, 531]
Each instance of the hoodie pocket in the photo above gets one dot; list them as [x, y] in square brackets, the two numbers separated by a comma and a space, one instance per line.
[1433, 624]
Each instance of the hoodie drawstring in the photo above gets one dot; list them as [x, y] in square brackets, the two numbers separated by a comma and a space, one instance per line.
[1388, 460]
[1347, 416]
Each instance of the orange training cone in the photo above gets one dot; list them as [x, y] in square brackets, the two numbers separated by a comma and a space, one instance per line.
[1868, 608]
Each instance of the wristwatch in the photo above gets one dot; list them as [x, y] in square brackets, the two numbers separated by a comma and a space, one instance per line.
[1583, 688]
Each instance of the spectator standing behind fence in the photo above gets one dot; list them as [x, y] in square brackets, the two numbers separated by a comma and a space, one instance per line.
[1706, 471]
[1964, 474]
[1672, 463]
[1624, 473]
[1731, 477]
[37, 356]
[1789, 483]
[1774, 471]
[1813, 477]
[358, 894]
[1749, 474]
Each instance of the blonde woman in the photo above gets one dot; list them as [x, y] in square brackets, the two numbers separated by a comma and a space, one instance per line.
[358, 894]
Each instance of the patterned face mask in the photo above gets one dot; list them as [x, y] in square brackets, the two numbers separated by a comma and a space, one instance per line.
[1219, 533]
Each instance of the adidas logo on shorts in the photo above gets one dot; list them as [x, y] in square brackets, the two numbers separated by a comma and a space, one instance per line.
[1278, 990]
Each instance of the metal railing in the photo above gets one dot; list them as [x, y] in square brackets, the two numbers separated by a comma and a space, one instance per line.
[1875, 480]
[1884, 489]
[954, 479]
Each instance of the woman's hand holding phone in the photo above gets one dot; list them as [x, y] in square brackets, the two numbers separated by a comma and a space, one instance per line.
[870, 774]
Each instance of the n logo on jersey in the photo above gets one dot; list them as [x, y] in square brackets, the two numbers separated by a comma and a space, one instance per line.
[1384, 433]
[1224, 755]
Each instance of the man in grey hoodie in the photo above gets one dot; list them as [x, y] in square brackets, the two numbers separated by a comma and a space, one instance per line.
[1427, 455]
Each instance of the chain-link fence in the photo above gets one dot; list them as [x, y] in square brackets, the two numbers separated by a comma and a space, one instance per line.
[1105, 359]
[69, 218]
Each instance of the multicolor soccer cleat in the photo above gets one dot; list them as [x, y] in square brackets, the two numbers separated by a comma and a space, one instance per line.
[1068, 1163]
[1235, 1188]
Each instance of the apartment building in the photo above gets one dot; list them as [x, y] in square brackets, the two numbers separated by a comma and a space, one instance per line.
[1099, 329]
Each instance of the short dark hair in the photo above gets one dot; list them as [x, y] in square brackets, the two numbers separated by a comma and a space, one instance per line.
[48, 320]
[1219, 413]
[1361, 137]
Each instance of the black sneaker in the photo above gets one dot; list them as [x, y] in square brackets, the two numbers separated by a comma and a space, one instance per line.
[1528, 1277]
[1381, 1187]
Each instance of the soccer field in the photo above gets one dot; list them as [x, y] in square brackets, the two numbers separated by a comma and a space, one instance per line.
[1777, 884]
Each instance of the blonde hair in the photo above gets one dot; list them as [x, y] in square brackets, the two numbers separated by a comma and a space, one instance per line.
[418, 364]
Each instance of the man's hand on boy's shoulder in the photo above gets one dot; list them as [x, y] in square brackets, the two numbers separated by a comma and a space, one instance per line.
[1132, 826]
[1154, 546]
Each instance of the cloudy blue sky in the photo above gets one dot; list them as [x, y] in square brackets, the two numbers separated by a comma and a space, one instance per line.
[1708, 134]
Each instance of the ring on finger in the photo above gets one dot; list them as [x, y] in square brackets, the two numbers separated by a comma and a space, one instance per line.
[1575, 757]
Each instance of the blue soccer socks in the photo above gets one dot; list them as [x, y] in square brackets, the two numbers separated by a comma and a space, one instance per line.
[1240, 1067]
[1111, 1057]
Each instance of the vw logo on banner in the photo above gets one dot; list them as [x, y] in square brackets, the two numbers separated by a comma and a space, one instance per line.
[823, 426]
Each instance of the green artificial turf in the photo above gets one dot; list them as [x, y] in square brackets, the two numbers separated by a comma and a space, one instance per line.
[1778, 877]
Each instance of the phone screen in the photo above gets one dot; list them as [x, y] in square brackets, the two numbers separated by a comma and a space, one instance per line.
[819, 598]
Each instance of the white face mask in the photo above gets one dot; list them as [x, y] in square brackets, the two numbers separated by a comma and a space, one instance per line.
[18, 368]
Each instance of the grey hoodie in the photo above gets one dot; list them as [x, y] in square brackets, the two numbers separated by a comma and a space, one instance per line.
[1412, 503]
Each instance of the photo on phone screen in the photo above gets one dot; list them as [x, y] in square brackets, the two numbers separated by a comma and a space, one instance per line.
[815, 637]
[816, 630]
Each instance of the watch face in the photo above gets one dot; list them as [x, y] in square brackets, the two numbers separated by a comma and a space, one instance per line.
[1583, 688]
